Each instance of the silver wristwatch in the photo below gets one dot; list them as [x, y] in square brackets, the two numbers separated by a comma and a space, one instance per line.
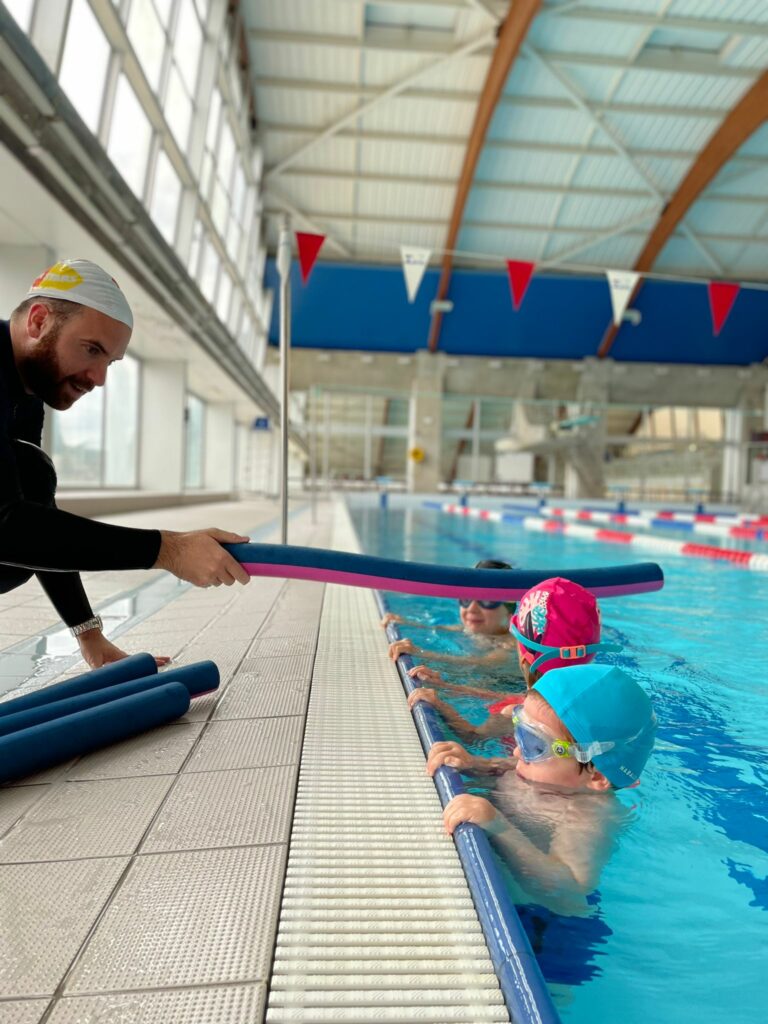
[94, 623]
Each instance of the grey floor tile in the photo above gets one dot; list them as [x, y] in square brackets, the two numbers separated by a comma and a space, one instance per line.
[224, 1004]
[158, 752]
[86, 819]
[250, 697]
[23, 1011]
[48, 910]
[231, 808]
[296, 666]
[252, 743]
[15, 801]
[282, 646]
[179, 919]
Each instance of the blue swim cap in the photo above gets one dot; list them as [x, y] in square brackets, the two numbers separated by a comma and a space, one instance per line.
[600, 703]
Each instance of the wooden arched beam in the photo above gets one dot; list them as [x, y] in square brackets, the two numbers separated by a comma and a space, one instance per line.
[743, 120]
[511, 35]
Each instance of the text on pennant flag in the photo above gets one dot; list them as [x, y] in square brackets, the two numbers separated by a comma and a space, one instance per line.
[415, 262]
[622, 285]
[722, 295]
[519, 278]
[309, 246]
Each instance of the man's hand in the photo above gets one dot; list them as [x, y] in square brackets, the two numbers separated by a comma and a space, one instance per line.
[402, 647]
[450, 753]
[466, 807]
[97, 651]
[390, 617]
[199, 558]
[423, 693]
[427, 675]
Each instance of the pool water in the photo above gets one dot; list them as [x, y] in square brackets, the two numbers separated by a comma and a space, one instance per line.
[678, 929]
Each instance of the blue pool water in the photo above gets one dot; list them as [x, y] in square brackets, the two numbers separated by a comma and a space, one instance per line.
[678, 928]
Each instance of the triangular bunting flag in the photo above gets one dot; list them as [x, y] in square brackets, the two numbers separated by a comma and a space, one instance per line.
[519, 278]
[722, 295]
[415, 262]
[622, 284]
[309, 247]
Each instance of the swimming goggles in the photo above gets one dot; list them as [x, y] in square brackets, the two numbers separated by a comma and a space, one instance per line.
[537, 743]
[489, 606]
[572, 652]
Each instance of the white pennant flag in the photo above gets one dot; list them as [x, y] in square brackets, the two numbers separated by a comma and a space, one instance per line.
[415, 262]
[622, 284]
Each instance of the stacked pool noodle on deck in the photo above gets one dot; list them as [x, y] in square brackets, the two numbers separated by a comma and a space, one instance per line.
[90, 711]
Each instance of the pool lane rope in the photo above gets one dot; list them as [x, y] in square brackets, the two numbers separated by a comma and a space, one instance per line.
[428, 580]
[704, 525]
[746, 559]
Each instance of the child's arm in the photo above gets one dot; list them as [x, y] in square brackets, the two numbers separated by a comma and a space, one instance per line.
[495, 657]
[391, 617]
[429, 675]
[455, 756]
[494, 725]
[569, 867]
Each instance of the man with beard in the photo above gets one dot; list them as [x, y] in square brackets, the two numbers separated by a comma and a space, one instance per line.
[57, 346]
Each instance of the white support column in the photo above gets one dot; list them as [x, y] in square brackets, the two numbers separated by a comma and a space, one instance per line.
[734, 455]
[425, 427]
[219, 447]
[368, 439]
[161, 422]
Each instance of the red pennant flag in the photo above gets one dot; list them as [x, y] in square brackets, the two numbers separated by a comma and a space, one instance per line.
[519, 279]
[722, 295]
[309, 247]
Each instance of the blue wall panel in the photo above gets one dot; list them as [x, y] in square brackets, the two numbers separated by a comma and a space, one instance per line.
[562, 317]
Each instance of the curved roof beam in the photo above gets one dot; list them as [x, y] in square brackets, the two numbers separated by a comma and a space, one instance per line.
[743, 120]
[511, 35]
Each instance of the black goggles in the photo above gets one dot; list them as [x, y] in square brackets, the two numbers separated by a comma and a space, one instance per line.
[489, 606]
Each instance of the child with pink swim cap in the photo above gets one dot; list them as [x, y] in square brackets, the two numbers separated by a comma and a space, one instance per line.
[557, 624]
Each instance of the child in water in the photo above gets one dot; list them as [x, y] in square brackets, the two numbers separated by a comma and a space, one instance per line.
[486, 620]
[557, 624]
[581, 734]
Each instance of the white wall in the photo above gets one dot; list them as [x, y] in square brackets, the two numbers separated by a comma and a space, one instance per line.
[19, 266]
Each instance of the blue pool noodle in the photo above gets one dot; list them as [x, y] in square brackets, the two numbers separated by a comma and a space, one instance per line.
[136, 667]
[200, 678]
[41, 746]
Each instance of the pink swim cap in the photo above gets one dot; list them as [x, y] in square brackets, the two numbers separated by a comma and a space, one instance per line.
[557, 613]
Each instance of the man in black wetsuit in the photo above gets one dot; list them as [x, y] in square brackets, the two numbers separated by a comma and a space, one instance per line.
[56, 347]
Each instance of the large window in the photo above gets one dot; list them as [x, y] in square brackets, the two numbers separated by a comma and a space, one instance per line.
[95, 442]
[84, 63]
[166, 195]
[121, 421]
[147, 36]
[21, 11]
[129, 137]
[194, 418]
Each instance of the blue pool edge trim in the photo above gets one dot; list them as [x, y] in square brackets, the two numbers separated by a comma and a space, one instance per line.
[522, 984]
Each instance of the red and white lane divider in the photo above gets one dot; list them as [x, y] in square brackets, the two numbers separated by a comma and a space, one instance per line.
[709, 526]
[746, 559]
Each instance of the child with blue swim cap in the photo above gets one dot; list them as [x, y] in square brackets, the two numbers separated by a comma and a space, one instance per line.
[582, 733]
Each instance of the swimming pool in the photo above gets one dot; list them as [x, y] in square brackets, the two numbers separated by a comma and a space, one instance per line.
[677, 927]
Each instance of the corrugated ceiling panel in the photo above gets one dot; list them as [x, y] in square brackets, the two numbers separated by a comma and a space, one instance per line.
[667, 172]
[753, 261]
[302, 106]
[681, 256]
[384, 240]
[618, 253]
[748, 53]
[385, 67]
[651, 131]
[405, 114]
[300, 60]
[416, 15]
[324, 194]
[718, 216]
[436, 160]
[574, 35]
[602, 171]
[525, 166]
[740, 178]
[506, 244]
[539, 125]
[727, 253]
[736, 10]
[387, 199]
[599, 212]
[643, 85]
[529, 78]
[595, 84]
[495, 204]
[464, 73]
[321, 16]
[332, 154]
[757, 145]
